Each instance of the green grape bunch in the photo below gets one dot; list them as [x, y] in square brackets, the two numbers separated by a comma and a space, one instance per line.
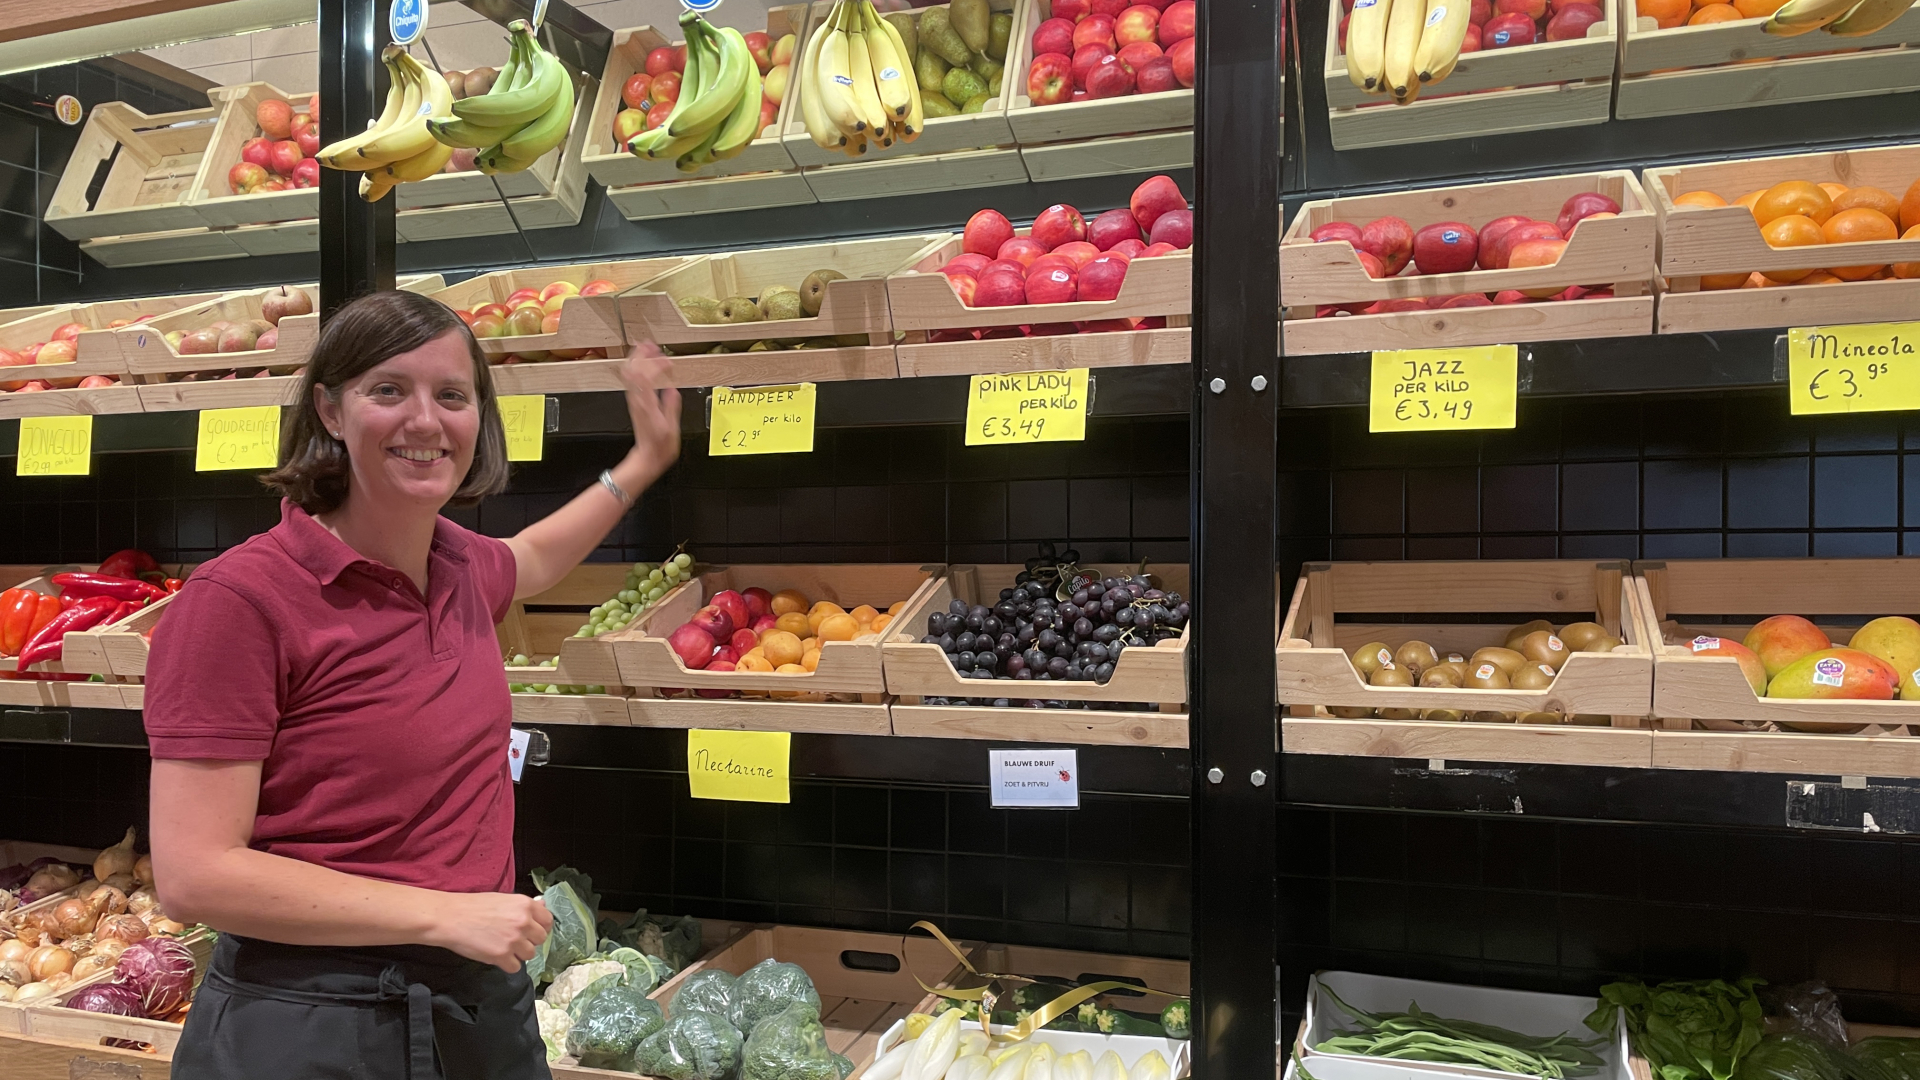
[646, 583]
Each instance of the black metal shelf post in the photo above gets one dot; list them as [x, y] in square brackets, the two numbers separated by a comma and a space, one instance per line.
[357, 237]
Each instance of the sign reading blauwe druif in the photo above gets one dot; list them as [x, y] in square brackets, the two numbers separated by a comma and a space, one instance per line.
[407, 21]
[1035, 779]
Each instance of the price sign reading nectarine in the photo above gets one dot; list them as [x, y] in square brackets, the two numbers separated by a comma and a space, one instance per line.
[1870, 367]
[761, 420]
[1027, 407]
[1444, 389]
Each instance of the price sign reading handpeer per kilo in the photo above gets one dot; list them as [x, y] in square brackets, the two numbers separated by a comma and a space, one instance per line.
[1027, 407]
[1444, 389]
[1872, 367]
[761, 420]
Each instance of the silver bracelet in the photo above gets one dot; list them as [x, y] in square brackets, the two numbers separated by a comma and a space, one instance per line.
[607, 481]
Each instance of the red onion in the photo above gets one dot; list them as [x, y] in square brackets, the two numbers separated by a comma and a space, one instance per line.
[111, 998]
[160, 970]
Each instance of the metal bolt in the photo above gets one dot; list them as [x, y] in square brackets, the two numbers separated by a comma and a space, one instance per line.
[1218, 386]
[1259, 778]
[1214, 775]
[1259, 383]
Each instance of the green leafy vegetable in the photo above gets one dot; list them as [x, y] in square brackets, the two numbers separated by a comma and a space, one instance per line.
[675, 939]
[1697, 1030]
[569, 898]
[1792, 1056]
[695, 1045]
[643, 972]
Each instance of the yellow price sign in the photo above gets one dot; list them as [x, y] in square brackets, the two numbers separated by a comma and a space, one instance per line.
[739, 766]
[1444, 389]
[1871, 367]
[55, 446]
[761, 420]
[1027, 407]
[238, 439]
[525, 418]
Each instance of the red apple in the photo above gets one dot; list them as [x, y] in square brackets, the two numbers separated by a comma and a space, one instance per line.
[1050, 80]
[1445, 248]
[1156, 250]
[1129, 249]
[1058, 224]
[92, 381]
[633, 93]
[1020, 249]
[1137, 23]
[759, 602]
[969, 263]
[735, 605]
[766, 622]
[306, 174]
[1501, 257]
[1337, 230]
[1181, 53]
[1506, 31]
[275, 118]
[308, 139]
[1173, 227]
[1155, 76]
[1101, 278]
[1371, 264]
[36, 386]
[285, 155]
[1532, 9]
[1470, 41]
[1052, 285]
[1014, 265]
[1079, 251]
[715, 620]
[1570, 23]
[1053, 36]
[1095, 30]
[985, 233]
[1389, 307]
[1390, 239]
[489, 326]
[1537, 253]
[1111, 227]
[1586, 203]
[1155, 196]
[1053, 259]
[245, 177]
[1071, 10]
[1000, 288]
[662, 60]
[1176, 23]
[666, 87]
[761, 46]
[659, 114]
[1085, 58]
[1109, 8]
[550, 324]
[1479, 12]
[627, 123]
[1491, 233]
[692, 644]
[1137, 54]
[258, 151]
[964, 286]
[598, 286]
[1472, 299]
[769, 112]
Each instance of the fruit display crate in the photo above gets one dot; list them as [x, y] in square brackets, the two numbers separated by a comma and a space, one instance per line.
[1696, 242]
[844, 694]
[1708, 714]
[541, 627]
[925, 305]
[211, 197]
[586, 322]
[95, 354]
[1549, 84]
[155, 159]
[1152, 679]
[1094, 136]
[1617, 252]
[853, 307]
[952, 153]
[1329, 705]
[1736, 65]
[762, 175]
[71, 694]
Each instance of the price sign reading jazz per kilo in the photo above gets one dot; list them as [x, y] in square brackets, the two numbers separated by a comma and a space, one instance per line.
[1872, 367]
[1026, 407]
[761, 420]
[1444, 389]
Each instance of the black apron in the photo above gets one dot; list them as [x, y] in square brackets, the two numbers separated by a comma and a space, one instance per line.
[404, 1012]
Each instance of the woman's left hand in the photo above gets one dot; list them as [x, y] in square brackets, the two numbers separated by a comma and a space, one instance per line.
[654, 406]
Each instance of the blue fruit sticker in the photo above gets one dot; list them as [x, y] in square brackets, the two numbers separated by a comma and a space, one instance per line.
[1450, 236]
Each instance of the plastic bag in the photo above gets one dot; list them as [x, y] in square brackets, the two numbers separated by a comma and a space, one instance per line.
[1808, 1008]
[568, 984]
[644, 972]
[711, 990]
[675, 939]
[768, 987]
[609, 1021]
[1885, 1058]
[791, 1045]
[1791, 1056]
[695, 1045]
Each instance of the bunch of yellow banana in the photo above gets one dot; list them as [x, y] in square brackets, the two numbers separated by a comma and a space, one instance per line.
[1843, 18]
[526, 114]
[398, 148]
[860, 88]
[1395, 47]
[718, 113]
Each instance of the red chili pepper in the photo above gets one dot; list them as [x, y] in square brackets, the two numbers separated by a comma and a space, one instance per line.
[67, 602]
[46, 645]
[120, 611]
[173, 584]
[85, 585]
[16, 619]
[131, 562]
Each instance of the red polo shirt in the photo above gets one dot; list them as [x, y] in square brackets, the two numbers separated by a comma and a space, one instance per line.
[381, 716]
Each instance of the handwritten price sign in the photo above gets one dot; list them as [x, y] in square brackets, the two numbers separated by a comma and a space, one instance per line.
[1872, 367]
[1027, 407]
[739, 766]
[238, 439]
[1444, 389]
[525, 418]
[55, 446]
[761, 420]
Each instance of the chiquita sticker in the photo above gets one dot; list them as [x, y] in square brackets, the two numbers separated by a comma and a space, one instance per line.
[1484, 671]
[1385, 657]
[1827, 672]
[1556, 644]
[1701, 644]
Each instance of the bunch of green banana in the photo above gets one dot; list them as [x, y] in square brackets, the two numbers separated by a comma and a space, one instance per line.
[718, 113]
[1842, 18]
[398, 148]
[860, 89]
[526, 114]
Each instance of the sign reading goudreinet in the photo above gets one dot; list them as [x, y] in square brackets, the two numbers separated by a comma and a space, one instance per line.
[1869, 367]
[238, 439]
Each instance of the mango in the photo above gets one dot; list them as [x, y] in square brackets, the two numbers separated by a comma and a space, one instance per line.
[1750, 664]
[1837, 674]
[1896, 640]
[1784, 639]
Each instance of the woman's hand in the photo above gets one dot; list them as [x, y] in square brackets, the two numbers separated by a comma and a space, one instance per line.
[502, 929]
[654, 407]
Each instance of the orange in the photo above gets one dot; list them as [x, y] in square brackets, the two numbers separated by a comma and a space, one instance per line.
[1871, 198]
[1910, 207]
[1832, 189]
[881, 622]
[1756, 280]
[793, 623]
[750, 662]
[787, 601]
[1908, 269]
[898, 607]
[1819, 277]
[1794, 197]
[1858, 224]
[1710, 282]
[838, 628]
[864, 614]
[1669, 13]
[1750, 198]
[781, 647]
[1758, 9]
[1792, 230]
[1699, 198]
[1715, 13]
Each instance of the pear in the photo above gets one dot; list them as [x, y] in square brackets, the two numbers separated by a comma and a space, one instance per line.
[813, 291]
[781, 305]
[973, 21]
[701, 311]
[938, 34]
[764, 346]
[909, 33]
[739, 309]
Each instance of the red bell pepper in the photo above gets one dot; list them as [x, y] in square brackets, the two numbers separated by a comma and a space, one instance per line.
[85, 585]
[50, 605]
[130, 562]
[16, 619]
[46, 645]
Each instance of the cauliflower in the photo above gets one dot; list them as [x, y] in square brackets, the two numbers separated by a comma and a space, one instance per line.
[570, 982]
[554, 1024]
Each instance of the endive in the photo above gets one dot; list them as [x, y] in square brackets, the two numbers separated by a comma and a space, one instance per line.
[974, 1042]
[1012, 1064]
[934, 1050]
[970, 1067]
[1151, 1066]
[1040, 1063]
[889, 1065]
[1075, 1066]
[1109, 1067]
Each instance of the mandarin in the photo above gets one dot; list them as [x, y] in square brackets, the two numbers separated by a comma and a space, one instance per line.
[1668, 13]
[1910, 207]
[781, 647]
[839, 627]
[1710, 282]
[1908, 269]
[1793, 198]
[1715, 13]
[1699, 198]
[1792, 230]
[1870, 198]
[1750, 198]
[1832, 189]
[789, 601]
[1853, 226]
[1758, 9]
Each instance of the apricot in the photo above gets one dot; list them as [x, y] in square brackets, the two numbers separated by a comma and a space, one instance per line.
[789, 601]
[781, 647]
[838, 628]
[750, 662]
[795, 623]
[864, 614]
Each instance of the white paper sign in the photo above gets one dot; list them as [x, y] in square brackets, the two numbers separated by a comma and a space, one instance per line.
[517, 742]
[1035, 778]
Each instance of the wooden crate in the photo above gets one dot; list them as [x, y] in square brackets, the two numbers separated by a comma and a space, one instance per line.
[1710, 718]
[1696, 241]
[1314, 673]
[1617, 252]
[163, 248]
[76, 694]
[155, 159]
[923, 301]
[57, 1022]
[1735, 65]
[210, 196]
[867, 716]
[546, 632]
[943, 158]
[95, 354]
[762, 175]
[1552, 84]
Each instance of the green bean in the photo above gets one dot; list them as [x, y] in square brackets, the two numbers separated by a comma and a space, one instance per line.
[1420, 1036]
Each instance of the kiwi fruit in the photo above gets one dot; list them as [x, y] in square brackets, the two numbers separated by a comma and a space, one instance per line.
[1351, 712]
[1417, 656]
[1579, 633]
[1491, 717]
[1603, 643]
[1487, 675]
[1518, 632]
[813, 290]
[1539, 717]
[1507, 660]
[1542, 647]
[1448, 716]
[1442, 676]
[1532, 677]
[1458, 667]
[1399, 714]
[1390, 675]
[1370, 656]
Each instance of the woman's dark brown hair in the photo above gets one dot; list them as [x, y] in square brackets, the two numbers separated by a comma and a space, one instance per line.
[366, 332]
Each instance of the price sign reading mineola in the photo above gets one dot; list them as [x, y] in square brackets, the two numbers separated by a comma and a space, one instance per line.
[739, 766]
[525, 418]
[1444, 389]
[761, 420]
[55, 446]
[1027, 407]
[238, 439]
[1871, 367]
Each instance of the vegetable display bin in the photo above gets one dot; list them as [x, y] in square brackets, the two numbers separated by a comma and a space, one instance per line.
[56, 1021]
[15, 690]
[1152, 679]
[1337, 607]
[1708, 714]
[1614, 253]
[546, 632]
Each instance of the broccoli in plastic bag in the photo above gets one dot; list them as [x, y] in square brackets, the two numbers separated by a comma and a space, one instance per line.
[792, 1045]
[768, 987]
[711, 990]
[644, 972]
[695, 1045]
[673, 939]
[1886, 1058]
[609, 1021]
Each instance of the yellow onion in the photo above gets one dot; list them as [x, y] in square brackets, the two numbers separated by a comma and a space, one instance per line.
[59, 980]
[51, 879]
[6, 991]
[14, 949]
[126, 929]
[72, 917]
[166, 927]
[107, 900]
[124, 882]
[15, 972]
[31, 991]
[92, 964]
[141, 900]
[49, 960]
[143, 870]
[110, 949]
[31, 937]
[117, 859]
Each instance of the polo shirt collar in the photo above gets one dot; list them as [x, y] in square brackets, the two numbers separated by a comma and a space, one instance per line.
[326, 556]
